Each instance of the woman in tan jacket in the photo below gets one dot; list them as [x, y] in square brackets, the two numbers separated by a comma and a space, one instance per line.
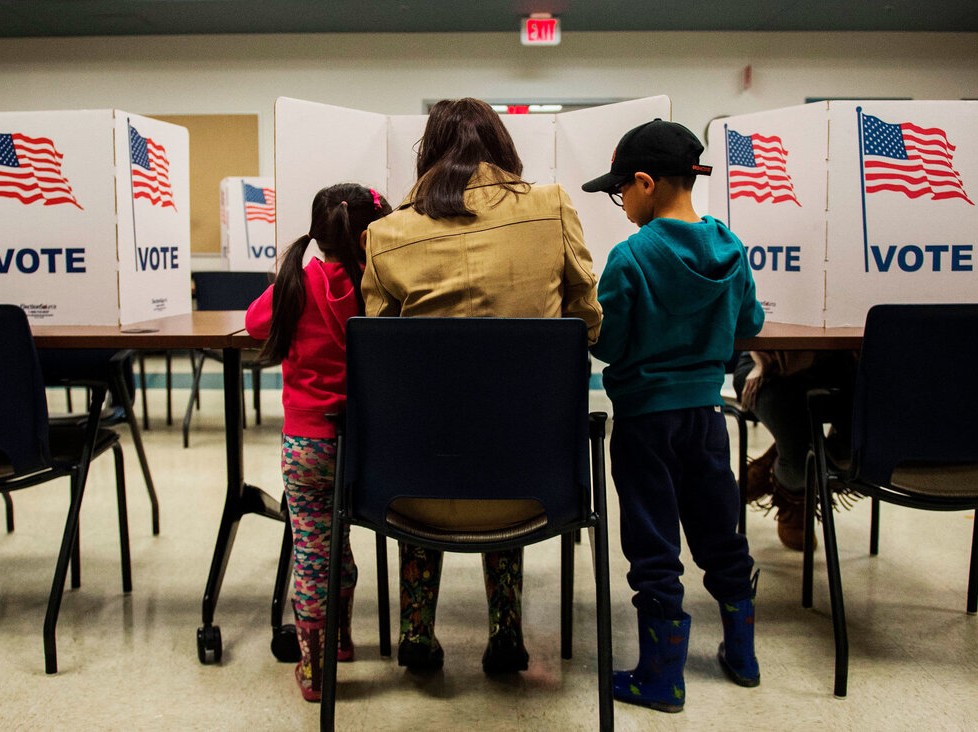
[474, 239]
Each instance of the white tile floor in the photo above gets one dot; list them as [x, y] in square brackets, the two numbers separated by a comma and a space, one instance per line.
[130, 662]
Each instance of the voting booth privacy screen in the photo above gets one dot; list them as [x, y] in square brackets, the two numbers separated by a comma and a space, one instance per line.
[318, 145]
[96, 213]
[846, 204]
[248, 224]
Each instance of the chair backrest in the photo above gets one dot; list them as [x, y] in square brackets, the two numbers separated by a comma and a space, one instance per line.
[228, 290]
[24, 426]
[467, 408]
[915, 396]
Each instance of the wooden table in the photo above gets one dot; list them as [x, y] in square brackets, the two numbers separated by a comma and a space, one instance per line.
[222, 330]
[787, 337]
[212, 329]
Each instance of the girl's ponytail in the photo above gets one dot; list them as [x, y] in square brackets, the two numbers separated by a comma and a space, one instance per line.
[346, 242]
[288, 300]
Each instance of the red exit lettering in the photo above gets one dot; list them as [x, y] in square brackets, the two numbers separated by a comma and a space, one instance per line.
[540, 32]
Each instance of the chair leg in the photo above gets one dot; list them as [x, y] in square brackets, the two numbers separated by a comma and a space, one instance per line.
[602, 584]
[193, 362]
[168, 357]
[142, 388]
[256, 393]
[244, 412]
[327, 719]
[121, 394]
[808, 546]
[567, 595]
[9, 505]
[835, 589]
[197, 364]
[76, 548]
[120, 489]
[602, 580]
[874, 527]
[973, 573]
[383, 597]
[60, 572]
[738, 416]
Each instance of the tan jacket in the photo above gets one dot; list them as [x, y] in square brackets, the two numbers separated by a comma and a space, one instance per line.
[521, 256]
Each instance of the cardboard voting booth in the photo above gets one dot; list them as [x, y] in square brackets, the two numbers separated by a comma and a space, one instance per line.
[317, 145]
[96, 212]
[248, 224]
[846, 204]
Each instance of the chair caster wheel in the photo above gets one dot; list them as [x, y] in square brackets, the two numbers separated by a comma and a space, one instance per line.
[209, 642]
[285, 645]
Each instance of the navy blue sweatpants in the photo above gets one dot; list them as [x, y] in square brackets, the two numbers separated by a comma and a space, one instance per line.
[671, 467]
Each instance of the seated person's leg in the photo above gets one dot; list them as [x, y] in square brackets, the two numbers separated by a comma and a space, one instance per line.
[418, 648]
[503, 572]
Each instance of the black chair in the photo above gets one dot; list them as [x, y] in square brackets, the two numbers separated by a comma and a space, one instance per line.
[481, 410]
[168, 381]
[9, 505]
[227, 291]
[914, 435]
[731, 407]
[83, 366]
[33, 452]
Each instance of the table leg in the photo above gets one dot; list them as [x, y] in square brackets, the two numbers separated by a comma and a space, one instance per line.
[240, 499]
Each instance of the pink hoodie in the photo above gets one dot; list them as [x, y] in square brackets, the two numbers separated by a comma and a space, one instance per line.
[314, 372]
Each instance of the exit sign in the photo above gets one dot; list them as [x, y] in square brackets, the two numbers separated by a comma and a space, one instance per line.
[540, 31]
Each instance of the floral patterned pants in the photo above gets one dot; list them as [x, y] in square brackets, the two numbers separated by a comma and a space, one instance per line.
[420, 579]
[308, 471]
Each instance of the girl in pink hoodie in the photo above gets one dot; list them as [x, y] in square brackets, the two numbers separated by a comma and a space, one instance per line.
[302, 318]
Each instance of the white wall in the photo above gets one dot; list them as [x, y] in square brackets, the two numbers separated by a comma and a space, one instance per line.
[394, 73]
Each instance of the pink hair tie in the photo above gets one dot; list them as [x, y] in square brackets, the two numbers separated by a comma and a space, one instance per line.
[377, 203]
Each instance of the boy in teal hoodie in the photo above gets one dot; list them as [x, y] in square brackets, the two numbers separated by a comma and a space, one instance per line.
[675, 295]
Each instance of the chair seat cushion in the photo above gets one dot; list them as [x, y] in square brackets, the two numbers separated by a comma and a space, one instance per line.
[472, 520]
[951, 481]
[466, 515]
[66, 442]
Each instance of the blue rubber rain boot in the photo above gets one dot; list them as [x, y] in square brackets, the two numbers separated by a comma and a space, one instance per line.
[736, 652]
[657, 681]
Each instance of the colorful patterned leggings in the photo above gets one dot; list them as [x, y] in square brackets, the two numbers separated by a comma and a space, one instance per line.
[421, 577]
[308, 470]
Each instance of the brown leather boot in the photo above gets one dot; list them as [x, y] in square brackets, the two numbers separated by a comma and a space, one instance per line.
[790, 516]
[760, 480]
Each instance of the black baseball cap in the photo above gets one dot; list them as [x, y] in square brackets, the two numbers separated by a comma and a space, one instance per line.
[658, 148]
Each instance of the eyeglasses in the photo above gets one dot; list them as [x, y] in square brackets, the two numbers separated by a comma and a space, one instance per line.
[615, 195]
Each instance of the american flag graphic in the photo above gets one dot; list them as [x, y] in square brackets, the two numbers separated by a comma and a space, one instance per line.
[912, 160]
[259, 203]
[30, 170]
[150, 170]
[758, 169]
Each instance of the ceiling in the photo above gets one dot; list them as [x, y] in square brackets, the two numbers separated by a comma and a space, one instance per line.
[47, 18]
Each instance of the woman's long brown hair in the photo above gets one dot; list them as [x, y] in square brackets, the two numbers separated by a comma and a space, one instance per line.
[458, 136]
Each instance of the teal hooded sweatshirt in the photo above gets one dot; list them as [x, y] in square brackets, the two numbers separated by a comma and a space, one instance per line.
[675, 295]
